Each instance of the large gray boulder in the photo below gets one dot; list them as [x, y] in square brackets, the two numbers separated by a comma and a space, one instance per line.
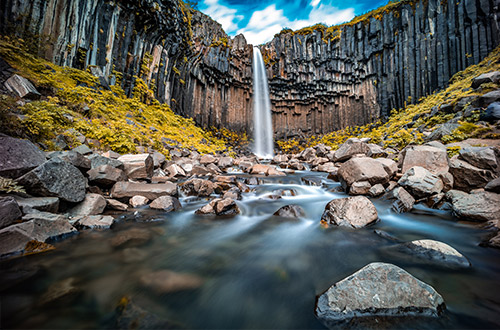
[74, 158]
[353, 212]
[55, 178]
[467, 177]
[432, 159]
[148, 190]
[421, 182]
[480, 206]
[98, 160]
[9, 211]
[362, 169]
[378, 290]
[18, 157]
[350, 148]
[43, 226]
[106, 175]
[480, 157]
[139, 166]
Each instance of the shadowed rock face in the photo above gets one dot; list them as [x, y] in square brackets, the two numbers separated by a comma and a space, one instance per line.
[317, 84]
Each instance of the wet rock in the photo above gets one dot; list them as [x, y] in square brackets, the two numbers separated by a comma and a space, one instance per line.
[93, 204]
[55, 178]
[138, 166]
[360, 188]
[421, 182]
[378, 290]
[493, 186]
[207, 159]
[403, 200]
[432, 159]
[225, 162]
[129, 316]
[328, 168]
[95, 222]
[258, 169]
[480, 157]
[376, 190]
[435, 252]
[43, 226]
[467, 177]
[166, 281]
[273, 171]
[175, 170]
[131, 237]
[106, 175]
[312, 181]
[219, 207]
[354, 212]
[116, 205]
[198, 187]
[481, 206]
[280, 159]
[13, 241]
[44, 204]
[166, 203]
[98, 160]
[435, 200]
[9, 211]
[18, 157]
[350, 148]
[362, 169]
[494, 241]
[225, 179]
[202, 171]
[490, 77]
[148, 190]
[21, 87]
[290, 211]
[138, 201]
[61, 291]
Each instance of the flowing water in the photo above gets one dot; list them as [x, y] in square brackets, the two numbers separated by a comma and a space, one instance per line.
[263, 127]
[258, 270]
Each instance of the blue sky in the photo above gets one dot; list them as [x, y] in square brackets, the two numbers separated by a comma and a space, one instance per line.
[259, 20]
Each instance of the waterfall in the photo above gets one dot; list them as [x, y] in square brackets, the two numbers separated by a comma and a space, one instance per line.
[263, 128]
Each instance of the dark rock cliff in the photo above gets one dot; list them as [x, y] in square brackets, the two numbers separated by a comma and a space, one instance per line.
[318, 83]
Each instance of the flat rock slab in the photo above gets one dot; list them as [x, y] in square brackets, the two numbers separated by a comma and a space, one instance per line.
[481, 206]
[148, 190]
[55, 178]
[431, 158]
[44, 204]
[95, 222]
[18, 157]
[435, 252]
[353, 212]
[93, 204]
[378, 289]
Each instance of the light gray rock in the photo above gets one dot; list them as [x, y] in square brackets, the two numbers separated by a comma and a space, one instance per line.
[467, 177]
[481, 206]
[93, 204]
[9, 211]
[435, 252]
[43, 226]
[362, 169]
[55, 178]
[403, 200]
[138, 201]
[207, 159]
[390, 166]
[290, 211]
[376, 190]
[225, 162]
[480, 157]
[83, 149]
[116, 205]
[421, 182]
[106, 175]
[166, 203]
[98, 160]
[350, 148]
[353, 212]
[74, 158]
[138, 166]
[95, 222]
[148, 190]
[490, 77]
[360, 188]
[175, 170]
[158, 159]
[378, 290]
[18, 157]
[21, 87]
[432, 159]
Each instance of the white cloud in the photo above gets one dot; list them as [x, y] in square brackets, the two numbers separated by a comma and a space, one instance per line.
[225, 16]
[264, 24]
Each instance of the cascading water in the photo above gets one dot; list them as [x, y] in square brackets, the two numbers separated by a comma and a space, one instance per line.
[263, 128]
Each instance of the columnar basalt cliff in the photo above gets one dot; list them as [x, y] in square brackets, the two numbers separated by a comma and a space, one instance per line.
[320, 79]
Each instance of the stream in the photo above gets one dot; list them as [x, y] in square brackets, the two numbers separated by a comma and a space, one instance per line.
[257, 270]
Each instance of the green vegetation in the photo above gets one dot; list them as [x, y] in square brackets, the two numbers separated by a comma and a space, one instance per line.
[220, 42]
[400, 129]
[108, 117]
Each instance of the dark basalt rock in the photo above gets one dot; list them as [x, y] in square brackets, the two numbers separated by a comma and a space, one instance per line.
[18, 157]
[290, 211]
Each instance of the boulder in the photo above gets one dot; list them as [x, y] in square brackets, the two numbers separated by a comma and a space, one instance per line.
[480, 157]
[403, 200]
[421, 182]
[233, 193]
[116, 205]
[93, 204]
[44, 204]
[442, 130]
[467, 177]
[432, 159]
[106, 175]
[158, 159]
[83, 149]
[21, 87]
[207, 159]
[492, 112]
[138, 201]
[328, 168]
[290, 211]
[225, 162]
[378, 290]
[488, 98]
[98, 160]
[350, 148]
[493, 186]
[376, 151]
[95, 222]
[280, 159]
[353, 212]
[219, 206]
[435, 252]
[148, 190]
[390, 166]
[9, 211]
[376, 190]
[138, 166]
[175, 170]
[43, 226]
[166, 281]
[198, 187]
[362, 169]
[18, 157]
[111, 154]
[202, 171]
[360, 188]
[55, 178]
[166, 203]
[490, 77]
[481, 206]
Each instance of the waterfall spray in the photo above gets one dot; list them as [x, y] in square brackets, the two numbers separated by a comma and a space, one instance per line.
[263, 128]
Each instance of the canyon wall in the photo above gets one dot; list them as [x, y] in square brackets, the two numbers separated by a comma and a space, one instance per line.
[320, 80]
